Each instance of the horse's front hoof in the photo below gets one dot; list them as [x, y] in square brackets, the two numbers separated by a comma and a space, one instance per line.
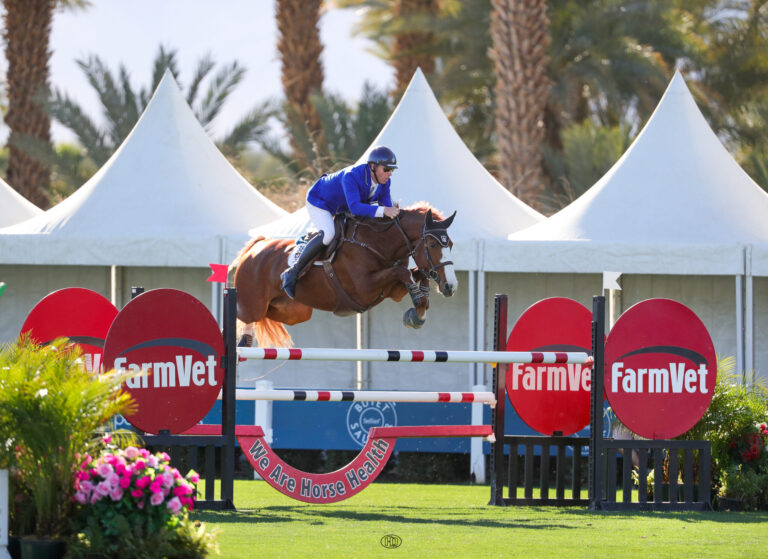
[411, 319]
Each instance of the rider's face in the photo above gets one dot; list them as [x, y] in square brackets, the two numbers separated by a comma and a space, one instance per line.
[382, 173]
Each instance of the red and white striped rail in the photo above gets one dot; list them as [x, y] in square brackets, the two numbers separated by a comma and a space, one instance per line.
[283, 395]
[407, 355]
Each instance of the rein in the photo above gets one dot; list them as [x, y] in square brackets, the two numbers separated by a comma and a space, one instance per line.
[440, 235]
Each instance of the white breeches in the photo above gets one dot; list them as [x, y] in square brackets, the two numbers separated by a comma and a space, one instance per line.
[323, 221]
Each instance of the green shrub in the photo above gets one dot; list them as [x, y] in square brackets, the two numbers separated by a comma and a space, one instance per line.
[50, 411]
[735, 425]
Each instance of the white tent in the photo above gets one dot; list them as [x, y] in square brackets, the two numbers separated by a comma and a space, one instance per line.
[675, 203]
[166, 197]
[14, 207]
[165, 205]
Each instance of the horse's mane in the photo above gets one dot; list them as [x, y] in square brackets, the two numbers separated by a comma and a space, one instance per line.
[421, 207]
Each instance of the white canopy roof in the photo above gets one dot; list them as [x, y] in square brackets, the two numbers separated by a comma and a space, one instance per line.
[435, 165]
[14, 207]
[166, 197]
[675, 202]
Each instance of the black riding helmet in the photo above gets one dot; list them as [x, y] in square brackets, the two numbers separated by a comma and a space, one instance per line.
[381, 155]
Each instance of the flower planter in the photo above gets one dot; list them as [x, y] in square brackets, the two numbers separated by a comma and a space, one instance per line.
[42, 549]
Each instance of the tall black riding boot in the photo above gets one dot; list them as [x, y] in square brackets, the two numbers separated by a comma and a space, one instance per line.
[289, 277]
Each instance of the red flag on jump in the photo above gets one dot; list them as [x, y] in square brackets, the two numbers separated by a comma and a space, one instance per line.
[219, 273]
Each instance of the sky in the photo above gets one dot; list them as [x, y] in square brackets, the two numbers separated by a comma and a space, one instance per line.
[129, 32]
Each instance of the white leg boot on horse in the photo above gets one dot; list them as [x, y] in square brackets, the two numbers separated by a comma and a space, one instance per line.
[289, 277]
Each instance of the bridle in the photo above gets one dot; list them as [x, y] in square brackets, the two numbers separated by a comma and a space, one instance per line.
[439, 234]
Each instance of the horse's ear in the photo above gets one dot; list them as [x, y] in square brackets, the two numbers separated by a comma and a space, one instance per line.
[447, 222]
[429, 221]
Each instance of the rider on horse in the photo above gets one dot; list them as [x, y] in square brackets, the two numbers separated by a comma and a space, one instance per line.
[361, 190]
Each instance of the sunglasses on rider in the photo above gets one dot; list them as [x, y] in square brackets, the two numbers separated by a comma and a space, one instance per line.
[387, 169]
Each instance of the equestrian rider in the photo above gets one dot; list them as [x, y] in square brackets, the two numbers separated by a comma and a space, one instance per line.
[361, 190]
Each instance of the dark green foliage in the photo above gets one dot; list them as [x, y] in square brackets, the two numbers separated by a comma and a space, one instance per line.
[122, 103]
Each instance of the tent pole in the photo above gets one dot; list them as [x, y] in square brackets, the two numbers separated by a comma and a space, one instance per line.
[113, 284]
[749, 319]
[472, 275]
[740, 326]
[480, 331]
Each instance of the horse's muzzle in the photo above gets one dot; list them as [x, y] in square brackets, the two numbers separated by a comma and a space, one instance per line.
[448, 288]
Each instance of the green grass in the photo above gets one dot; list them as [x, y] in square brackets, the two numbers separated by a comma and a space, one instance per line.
[455, 521]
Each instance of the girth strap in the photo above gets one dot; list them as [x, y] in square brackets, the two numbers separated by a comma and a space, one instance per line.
[344, 301]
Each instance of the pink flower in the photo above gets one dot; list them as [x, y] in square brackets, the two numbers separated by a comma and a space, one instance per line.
[140, 465]
[142, 482]
[106, 439]
[137, 493]
[105, 469]
[116, 494]
[120, 468]
[167, 479]
[82, 475]
[81, 497]
[152, 461]
[164, 456]
[113, 479]
[103, 488]
[125, 482]
[174, 505]
[144, 452]
[140, 504]
[194, 478]
[156, 499]
[156, 486]
[131, 453]
[182, 490]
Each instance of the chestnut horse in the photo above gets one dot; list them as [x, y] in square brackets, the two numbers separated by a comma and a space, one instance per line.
[369, 264]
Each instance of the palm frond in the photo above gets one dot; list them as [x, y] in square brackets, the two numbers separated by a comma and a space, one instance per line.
[204, 66]
[222, 85]
[251, 128]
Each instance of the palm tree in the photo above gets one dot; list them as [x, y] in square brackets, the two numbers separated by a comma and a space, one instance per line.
[414, 42]
[122, 104]
[302, 72]
[26, 34]
[520, 30]
[348, 129]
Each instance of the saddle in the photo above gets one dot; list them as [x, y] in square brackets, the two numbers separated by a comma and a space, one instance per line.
[328, 253]
[345, 304]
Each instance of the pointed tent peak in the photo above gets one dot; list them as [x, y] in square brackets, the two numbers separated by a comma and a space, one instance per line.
[418, 81]
[168, 88]
[166, 180]
[676, 173]
[435, 165]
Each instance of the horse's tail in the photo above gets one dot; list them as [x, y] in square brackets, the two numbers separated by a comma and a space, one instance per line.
[243, 252]
[271, 333]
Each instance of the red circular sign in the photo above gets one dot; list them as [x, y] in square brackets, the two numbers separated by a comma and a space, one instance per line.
[172, 336]
[660, 368]
[551, 397]
[79, 314]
